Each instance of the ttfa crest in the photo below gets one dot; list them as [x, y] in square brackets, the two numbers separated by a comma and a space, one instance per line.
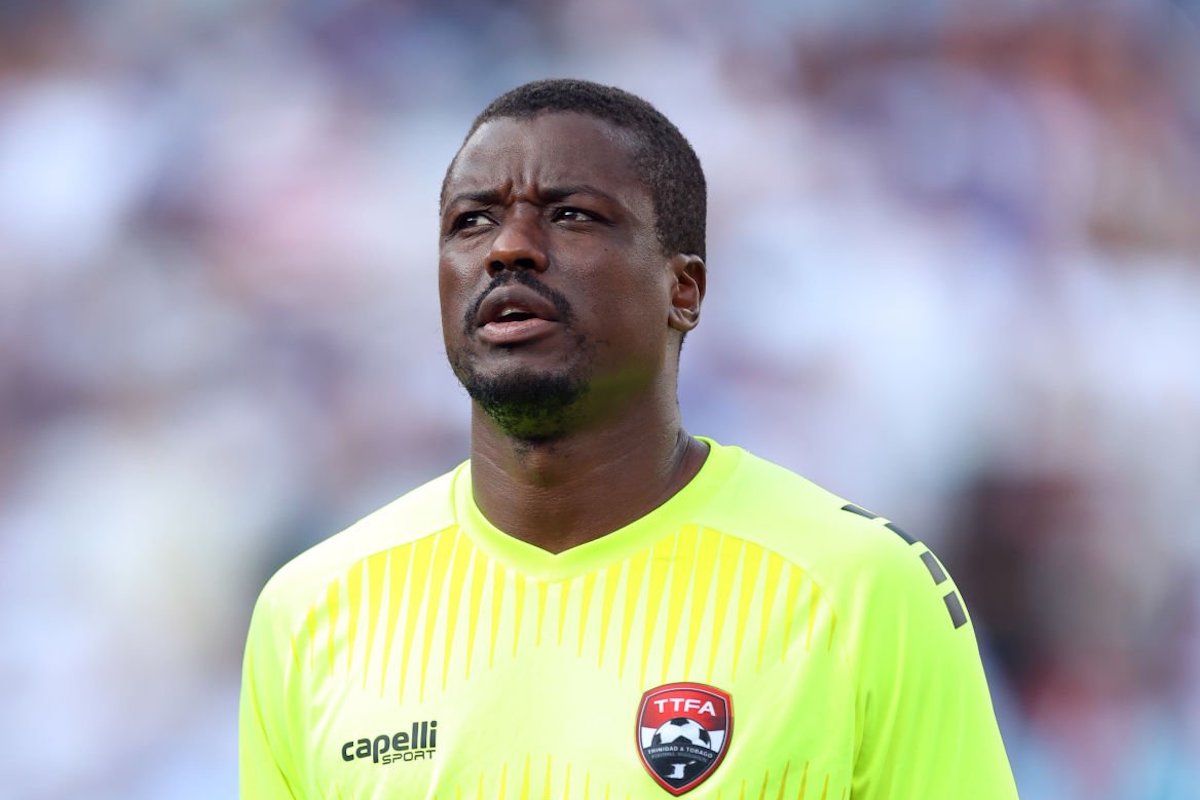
[683, 732]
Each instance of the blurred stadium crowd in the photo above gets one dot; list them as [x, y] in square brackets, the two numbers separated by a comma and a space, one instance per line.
[954, 276]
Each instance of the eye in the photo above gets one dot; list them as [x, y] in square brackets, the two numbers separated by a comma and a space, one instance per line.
[472, 219]
[571, 214]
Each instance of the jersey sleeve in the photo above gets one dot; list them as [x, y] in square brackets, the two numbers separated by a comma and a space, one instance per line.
[265, 765]
[926, 727]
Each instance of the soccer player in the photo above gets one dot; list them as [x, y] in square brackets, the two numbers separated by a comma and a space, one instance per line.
[598, 604]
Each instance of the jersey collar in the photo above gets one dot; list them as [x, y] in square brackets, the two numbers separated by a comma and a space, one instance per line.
[680, 509]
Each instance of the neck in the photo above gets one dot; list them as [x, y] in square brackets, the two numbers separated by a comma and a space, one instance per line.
[585, 484]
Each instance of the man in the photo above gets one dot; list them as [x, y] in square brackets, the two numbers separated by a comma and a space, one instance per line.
[598, 604]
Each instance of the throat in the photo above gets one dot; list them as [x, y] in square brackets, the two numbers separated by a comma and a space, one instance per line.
[565, 493]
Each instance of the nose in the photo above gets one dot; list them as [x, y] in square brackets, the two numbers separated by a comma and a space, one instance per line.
[519, 244]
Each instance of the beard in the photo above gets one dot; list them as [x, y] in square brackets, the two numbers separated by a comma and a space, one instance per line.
[528, 405]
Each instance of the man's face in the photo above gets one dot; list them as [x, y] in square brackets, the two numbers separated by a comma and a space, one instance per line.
[553, 285]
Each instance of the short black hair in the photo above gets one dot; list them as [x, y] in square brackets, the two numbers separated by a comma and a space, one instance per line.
[668, 164]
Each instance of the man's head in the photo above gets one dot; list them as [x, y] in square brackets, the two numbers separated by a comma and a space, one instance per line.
[572, 234]
[667, 163]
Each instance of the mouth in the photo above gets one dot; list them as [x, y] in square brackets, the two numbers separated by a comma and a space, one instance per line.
[513, 314]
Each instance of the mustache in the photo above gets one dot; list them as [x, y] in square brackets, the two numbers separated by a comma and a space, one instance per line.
[525, 278]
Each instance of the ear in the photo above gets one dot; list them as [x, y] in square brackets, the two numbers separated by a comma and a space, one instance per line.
[688, 275]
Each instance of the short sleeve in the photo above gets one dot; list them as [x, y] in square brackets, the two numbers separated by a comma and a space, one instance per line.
[926, 727]
[264, 763]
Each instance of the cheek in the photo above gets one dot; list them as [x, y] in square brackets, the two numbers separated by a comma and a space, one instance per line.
[632, 305]
[449, 275]
[451, 293]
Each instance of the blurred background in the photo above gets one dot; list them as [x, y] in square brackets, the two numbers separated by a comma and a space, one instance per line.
[954, 276]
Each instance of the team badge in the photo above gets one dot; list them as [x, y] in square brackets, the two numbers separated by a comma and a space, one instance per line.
[683, 733]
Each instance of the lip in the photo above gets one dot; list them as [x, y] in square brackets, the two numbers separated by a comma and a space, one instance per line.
[514, 296]
[517, 331]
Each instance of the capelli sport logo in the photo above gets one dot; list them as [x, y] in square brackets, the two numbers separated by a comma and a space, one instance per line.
[416, 744]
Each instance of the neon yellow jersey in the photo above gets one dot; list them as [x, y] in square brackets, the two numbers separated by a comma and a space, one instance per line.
[752, 637]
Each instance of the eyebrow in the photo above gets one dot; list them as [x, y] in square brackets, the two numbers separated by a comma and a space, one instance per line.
[555, 193]
[483, 197]
[550, 194]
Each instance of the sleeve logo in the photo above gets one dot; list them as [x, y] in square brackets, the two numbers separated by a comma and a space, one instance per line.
[683, 732]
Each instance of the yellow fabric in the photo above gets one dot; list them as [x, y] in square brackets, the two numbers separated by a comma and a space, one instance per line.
[422, 653]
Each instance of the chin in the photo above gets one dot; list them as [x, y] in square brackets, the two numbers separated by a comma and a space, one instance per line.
[530, 405]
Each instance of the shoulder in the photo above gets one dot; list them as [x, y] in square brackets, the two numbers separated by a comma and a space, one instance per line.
[807, 524]
[422, 512]
[853, 554]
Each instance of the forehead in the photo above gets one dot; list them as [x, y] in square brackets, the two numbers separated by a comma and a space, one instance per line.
[550, 149]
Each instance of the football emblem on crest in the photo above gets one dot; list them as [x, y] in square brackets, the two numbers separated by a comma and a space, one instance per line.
[683, 733]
